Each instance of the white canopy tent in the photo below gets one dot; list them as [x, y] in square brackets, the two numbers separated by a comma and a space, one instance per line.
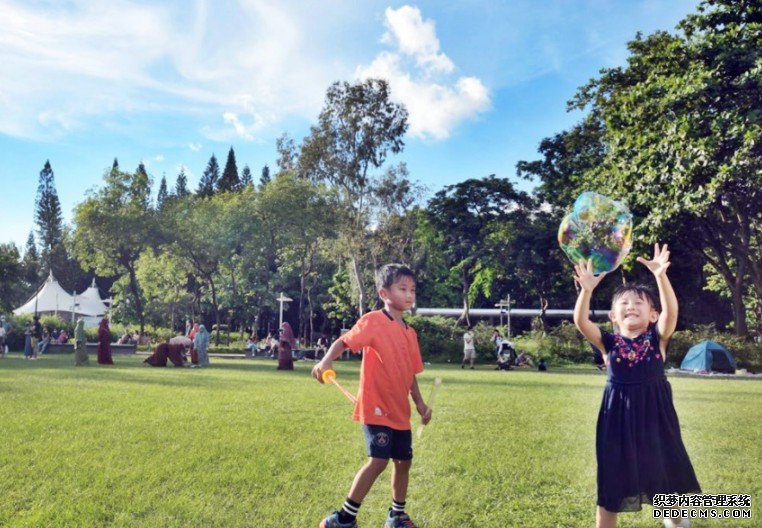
[90, 303]
[52, 299]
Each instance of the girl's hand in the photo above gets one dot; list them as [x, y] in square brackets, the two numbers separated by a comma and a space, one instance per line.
[659, 264]
[584, 275]
[425, 413]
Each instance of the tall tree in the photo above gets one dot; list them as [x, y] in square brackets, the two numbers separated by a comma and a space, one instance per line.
[30, 264]
[467, 215]
[229, 182]
[683, 135]
[11, 287]
[48, 215]
[246, 178]
[113, 226]
[208, 183]
[288, 157]
[264, 179]
[356, 130]
[205, 238]
[299, 236]
[162, 195]
[181, 185]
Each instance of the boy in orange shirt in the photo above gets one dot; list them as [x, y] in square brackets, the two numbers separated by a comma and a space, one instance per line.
[391, 359]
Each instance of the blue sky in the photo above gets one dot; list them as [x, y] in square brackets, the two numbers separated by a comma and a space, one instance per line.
[171, 83]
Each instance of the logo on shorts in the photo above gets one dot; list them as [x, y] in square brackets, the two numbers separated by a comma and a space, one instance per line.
[381, 439]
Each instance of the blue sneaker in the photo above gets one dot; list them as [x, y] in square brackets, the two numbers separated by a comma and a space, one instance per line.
[398, 521]
[332, 521]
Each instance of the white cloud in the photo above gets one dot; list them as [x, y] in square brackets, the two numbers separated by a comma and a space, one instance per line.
[67, 65]
[195, 147]
[159, 158]
[416, 37]
[436, 105]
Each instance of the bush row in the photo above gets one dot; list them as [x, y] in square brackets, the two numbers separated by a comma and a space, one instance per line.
[441, 340]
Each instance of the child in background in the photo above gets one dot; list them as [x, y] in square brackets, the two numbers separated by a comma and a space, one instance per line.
[639, 449]
[391, 360]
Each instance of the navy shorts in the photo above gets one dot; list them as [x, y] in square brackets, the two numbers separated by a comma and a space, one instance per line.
[384, 442]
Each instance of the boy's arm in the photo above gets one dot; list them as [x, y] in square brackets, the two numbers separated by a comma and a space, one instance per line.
[667, 298]
[420, 405]
[587, 282]
[336, 349]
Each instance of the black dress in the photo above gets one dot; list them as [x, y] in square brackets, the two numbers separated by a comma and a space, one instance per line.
[638, 445]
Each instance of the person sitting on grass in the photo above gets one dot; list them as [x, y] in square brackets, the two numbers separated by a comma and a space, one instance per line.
[504, 360]
[524, 360]
[251, 346]
[390, 362]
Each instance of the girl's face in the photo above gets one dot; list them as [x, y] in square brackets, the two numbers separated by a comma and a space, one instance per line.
[400, 295]
[632, 313]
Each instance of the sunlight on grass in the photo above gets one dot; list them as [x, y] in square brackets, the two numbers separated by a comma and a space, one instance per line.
[242, 444]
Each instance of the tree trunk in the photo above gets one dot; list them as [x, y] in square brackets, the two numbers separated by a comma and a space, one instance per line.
[311, 312]
[216, 310]
[358, 279]
[301, 305]
[136, 295]
[739, 310]
[466, 281]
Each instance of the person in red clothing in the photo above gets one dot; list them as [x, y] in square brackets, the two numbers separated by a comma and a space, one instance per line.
[391, 360]
[104, 343]
[192, 335]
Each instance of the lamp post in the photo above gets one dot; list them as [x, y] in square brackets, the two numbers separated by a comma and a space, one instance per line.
[282, 299]
[505, 306]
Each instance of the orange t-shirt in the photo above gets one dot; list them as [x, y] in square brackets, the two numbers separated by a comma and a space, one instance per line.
[391, 359]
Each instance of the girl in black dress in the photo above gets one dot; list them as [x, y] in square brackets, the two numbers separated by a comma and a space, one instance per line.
[639, 449]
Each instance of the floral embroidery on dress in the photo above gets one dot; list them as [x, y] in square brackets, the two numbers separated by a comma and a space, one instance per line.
[634, 350]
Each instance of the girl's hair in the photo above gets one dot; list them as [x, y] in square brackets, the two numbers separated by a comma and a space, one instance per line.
[642, 291]
[391, 273]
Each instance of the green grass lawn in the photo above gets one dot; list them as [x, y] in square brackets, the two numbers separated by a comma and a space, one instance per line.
[242, 444]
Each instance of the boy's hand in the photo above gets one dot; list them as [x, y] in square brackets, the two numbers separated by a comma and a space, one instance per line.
[659, 264]
[584, 275]
[317, 370]
[425, 413]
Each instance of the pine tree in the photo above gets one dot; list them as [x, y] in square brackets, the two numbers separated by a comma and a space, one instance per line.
[229, 181]
[141, 189]
[181, 186]
[207, 185]
[47, 214]
[162, 195]
[265, 178]
[30, 264]
[246, 178]
[115, 165]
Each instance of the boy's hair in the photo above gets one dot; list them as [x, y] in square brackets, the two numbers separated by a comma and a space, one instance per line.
[391, 273]
[642, 291]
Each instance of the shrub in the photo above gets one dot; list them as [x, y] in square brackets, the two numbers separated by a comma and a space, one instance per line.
[441, 339]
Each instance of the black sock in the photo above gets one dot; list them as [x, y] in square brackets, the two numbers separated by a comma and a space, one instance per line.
[348, 511]
[398, 507]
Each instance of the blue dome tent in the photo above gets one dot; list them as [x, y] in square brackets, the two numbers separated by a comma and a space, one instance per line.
[709, 355]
